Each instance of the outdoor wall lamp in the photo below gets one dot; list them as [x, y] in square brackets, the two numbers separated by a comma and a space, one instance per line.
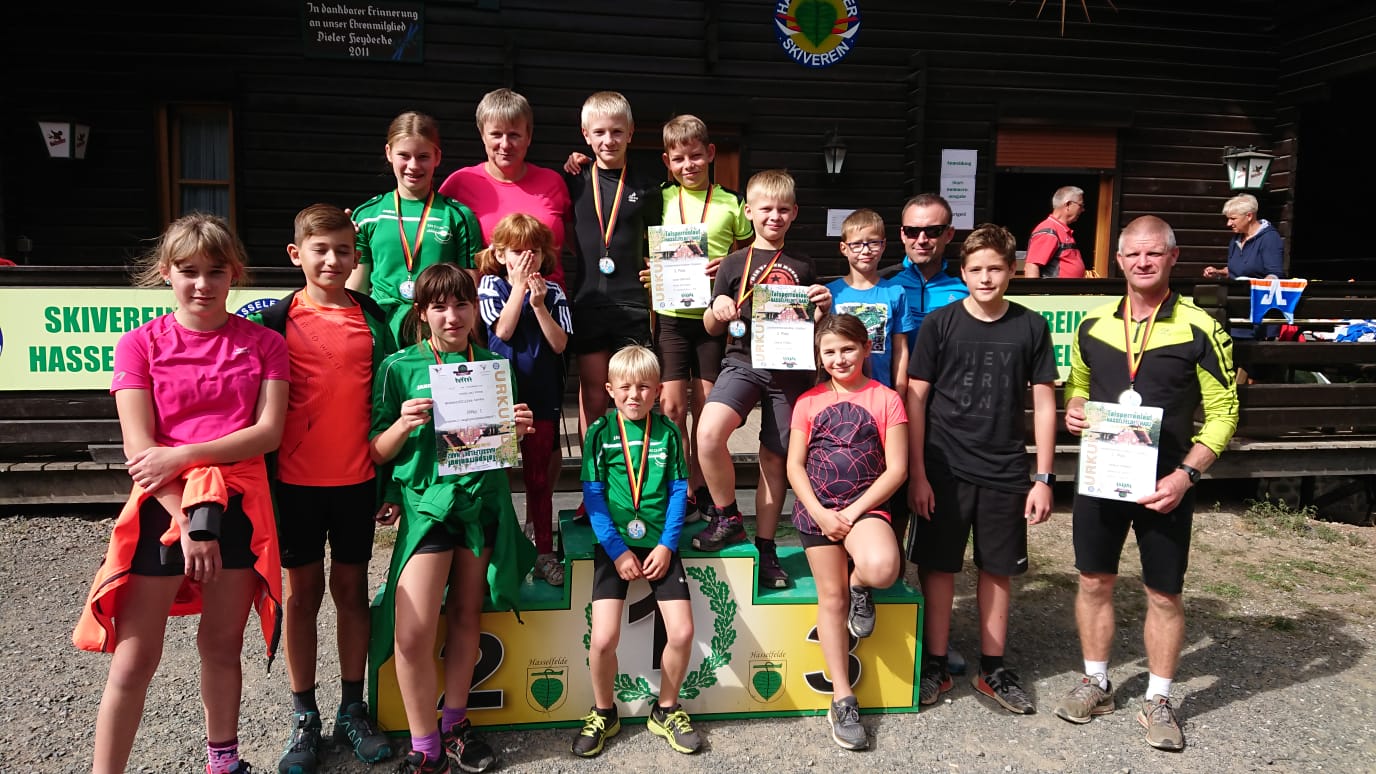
[833, 153]
[65, 139]
[1247, 167]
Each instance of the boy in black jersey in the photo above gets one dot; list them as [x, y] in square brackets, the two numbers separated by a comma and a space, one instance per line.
[771, 205]
[612, 205]
[967, 457]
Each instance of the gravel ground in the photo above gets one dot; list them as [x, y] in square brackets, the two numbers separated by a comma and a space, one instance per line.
[1277, 674]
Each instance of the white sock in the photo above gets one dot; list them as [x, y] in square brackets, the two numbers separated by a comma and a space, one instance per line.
[1098, 669]
[1158, 686]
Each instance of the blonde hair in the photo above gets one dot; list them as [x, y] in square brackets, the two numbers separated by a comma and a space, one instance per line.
[633, 362]
[861, 219]
[505, 105]
[320, 219]
[1240, 204]
[685, 130]
[607, 103]
[191, 235]
[413, 124]
[518, 231]
[775, 184]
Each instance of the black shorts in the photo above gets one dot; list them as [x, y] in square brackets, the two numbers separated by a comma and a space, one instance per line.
[441, 539]
[998, 519]
[1100, 527]
[309, 515]
[609, 328]
[742, 388]
[607, 584]
[236, 540]
[809, 540]
[686, 350]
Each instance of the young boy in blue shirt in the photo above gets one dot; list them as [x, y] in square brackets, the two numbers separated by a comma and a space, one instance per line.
[881, 304]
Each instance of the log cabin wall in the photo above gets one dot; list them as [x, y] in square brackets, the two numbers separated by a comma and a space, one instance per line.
[1175, 85]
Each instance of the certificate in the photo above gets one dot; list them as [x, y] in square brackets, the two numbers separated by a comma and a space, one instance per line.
[1118, 451]
[475, 417]
[781, 328]
[678, 267]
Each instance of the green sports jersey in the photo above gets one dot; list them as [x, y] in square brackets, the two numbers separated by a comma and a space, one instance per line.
[604, 460]
[726, 224]
[452, 235]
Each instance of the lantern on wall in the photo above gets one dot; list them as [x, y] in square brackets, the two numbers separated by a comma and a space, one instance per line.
[65, 139]
[1247, 168]
[833, 153]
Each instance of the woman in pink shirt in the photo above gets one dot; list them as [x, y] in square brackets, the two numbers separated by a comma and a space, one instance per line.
[505, 183]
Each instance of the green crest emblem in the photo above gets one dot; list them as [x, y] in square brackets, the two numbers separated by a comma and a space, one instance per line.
[545, 688]
[767, 679]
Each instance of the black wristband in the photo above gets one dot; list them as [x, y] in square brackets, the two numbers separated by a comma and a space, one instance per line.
[1193, 472]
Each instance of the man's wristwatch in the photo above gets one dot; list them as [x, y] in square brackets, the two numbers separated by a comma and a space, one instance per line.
[1192, 472]
[1044, 478]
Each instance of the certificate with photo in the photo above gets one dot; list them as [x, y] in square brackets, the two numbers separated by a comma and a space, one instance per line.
[678, 267]
[475, 416]
[1118, 451]
[781, 328]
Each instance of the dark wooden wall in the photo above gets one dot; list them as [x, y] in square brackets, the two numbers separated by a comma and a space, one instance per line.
[1179, 84]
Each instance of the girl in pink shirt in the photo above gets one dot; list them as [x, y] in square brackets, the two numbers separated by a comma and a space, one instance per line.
[201, 396]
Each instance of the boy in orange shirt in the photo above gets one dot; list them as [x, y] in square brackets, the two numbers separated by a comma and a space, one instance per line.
[325, 483]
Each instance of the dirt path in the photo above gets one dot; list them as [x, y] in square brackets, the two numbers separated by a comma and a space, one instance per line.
[1278, 672]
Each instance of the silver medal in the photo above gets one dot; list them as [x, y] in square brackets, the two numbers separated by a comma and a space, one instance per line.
[636, 529]
[606, 265]
[736, 328]
[1130, 398]
[407, 290]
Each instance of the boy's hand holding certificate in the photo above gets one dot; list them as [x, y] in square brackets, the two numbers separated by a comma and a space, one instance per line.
[1118, 451]
[678, 267]
[475, 416]
[781, 328]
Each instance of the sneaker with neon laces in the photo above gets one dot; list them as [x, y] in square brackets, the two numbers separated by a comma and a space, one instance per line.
[1163, 727]
[467, 747]
[353, 727]
[1086, 700]
[676, 728]
[772, 574]
[548, 567]
[721, 531]
[846, 730]
[934, 682]
[860, 621]
[1002, 685]
[417, 763]
[302, 754]
[596, 731]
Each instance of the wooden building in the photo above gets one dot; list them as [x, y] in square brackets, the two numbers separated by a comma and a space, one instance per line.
[243, 107]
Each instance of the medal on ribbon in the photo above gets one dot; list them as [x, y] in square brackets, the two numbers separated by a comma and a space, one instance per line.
[737, 327]
[635, 479]
[606, 227]
[1131, 397]
[407, 289]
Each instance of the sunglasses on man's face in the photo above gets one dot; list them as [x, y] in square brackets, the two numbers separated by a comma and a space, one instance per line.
[932, 232]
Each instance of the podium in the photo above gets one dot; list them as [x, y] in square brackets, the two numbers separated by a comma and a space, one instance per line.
[755, 654]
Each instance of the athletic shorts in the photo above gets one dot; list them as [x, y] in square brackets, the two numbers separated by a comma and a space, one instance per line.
[441, 539]
[236, 540]
[741, 389]
[686, 350]
[809, 540]
[307, 516]
[609, 328]
[997, 518]
[607, 584]
[1100, 528]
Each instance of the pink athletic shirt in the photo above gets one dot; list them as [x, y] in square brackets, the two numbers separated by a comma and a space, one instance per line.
[204, 384]
[540, 193]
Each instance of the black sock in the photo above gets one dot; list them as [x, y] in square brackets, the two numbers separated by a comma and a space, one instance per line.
[730, 512]
[350, 693]
[304, 701]
[939, 661]
[987, 664]
[609, 714]
[765, 545]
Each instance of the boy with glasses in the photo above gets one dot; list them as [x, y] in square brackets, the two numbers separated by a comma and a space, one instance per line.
[880, 303]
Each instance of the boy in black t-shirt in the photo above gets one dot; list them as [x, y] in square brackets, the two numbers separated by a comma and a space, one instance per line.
[771, 205]
[968, 457]
[612, 205]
